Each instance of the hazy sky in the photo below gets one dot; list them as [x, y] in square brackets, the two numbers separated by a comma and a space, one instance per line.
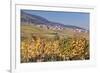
[68, 18]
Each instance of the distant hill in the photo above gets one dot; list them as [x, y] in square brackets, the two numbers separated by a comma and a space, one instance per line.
[27, 18]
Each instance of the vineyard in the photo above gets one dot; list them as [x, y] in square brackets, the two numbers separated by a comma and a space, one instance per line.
[38, 48]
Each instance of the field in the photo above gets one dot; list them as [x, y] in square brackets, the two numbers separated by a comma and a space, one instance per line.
[44, 45]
